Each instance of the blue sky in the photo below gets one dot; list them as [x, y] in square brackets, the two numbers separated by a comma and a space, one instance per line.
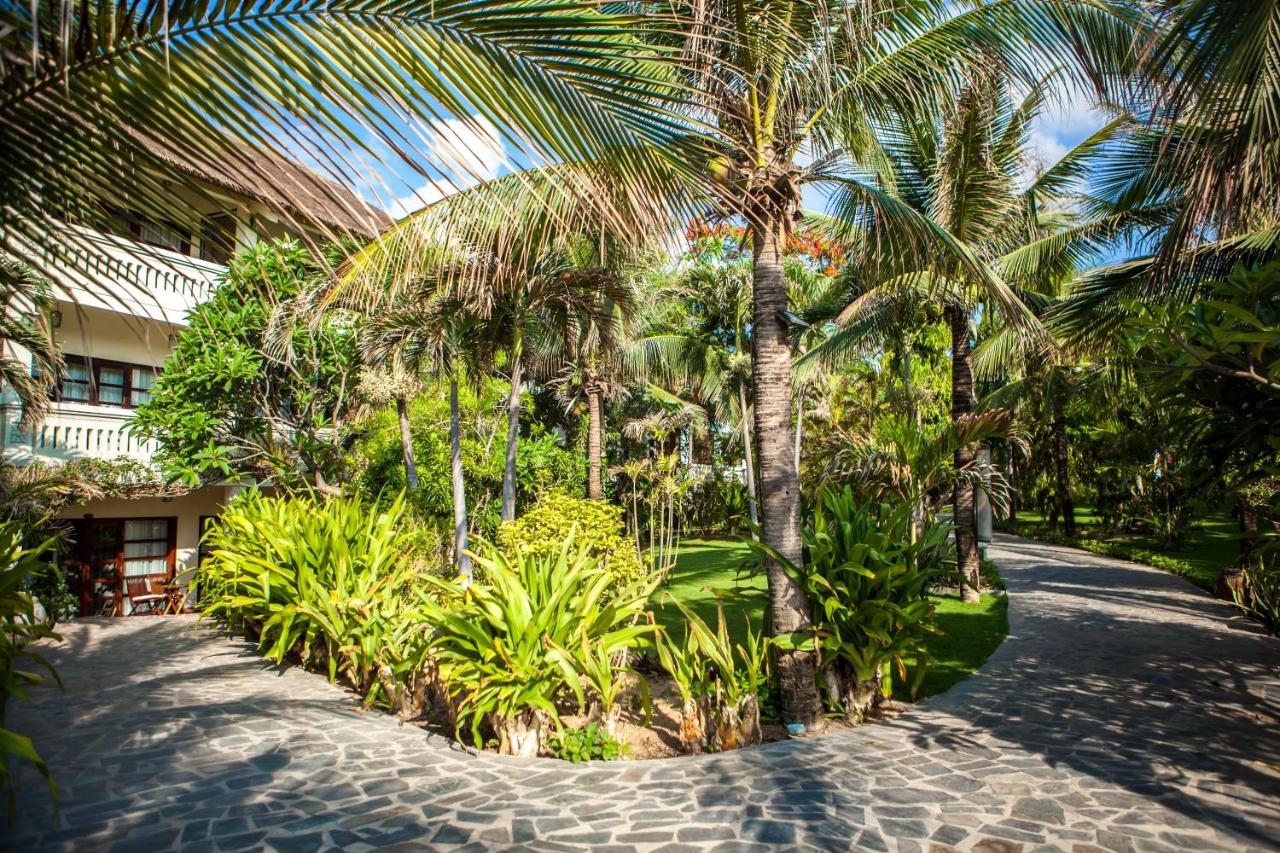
[457, 154]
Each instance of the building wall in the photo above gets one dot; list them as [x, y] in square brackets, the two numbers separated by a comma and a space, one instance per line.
[187, 509]
[98, 333]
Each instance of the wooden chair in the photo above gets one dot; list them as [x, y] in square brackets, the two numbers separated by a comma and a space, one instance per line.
[141, 596]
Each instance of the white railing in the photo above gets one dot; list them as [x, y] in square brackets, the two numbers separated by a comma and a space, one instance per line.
[73, 431]
[100, 270]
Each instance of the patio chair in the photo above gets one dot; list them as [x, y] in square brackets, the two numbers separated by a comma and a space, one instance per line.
[142, 598]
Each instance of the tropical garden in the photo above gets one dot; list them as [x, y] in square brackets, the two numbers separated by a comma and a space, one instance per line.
[680, 431]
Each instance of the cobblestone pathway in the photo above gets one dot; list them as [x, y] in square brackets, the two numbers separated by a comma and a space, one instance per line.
[1126, 711]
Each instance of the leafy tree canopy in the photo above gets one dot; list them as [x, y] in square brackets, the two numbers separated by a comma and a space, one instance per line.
[245, 392]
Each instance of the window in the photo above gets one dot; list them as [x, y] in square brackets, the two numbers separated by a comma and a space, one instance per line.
[146, 546]
[135, 226]
[108, 550]
[105, 383]
[217, 240]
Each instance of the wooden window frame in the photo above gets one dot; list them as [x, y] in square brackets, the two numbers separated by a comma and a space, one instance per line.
[96, 364]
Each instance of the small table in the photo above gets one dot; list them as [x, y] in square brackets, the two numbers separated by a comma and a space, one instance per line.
[175, 600]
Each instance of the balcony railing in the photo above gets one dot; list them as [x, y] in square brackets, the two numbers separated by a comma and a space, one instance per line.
[100, 270]
[72, 431]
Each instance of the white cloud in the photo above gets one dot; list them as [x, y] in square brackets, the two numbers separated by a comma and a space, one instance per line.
[465, 152]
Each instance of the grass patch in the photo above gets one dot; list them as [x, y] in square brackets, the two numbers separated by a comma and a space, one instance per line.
[706, 564]
[967, 633]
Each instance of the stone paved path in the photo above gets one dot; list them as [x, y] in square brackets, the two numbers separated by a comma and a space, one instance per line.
[1126, 711]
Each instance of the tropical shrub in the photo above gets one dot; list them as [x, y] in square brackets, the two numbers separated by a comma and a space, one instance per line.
[1259, 592]
[591, 743]
[596, 526]
[19, 630]
[511, 645]
[867, 576]
[720, 682]
[323, 581]
[542, 464]
[989, 575]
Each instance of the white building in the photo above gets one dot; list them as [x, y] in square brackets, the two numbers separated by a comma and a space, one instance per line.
[120, 299]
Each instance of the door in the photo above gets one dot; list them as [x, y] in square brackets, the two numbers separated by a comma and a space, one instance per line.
[102, 557]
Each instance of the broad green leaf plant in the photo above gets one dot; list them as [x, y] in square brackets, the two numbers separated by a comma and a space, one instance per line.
[20, 665]
[532, 633]
[323, 582]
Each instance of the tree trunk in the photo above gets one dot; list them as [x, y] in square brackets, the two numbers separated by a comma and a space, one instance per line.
[780, 481]
[520, 735]
[747, 455]
[406, 444]
[513, 438]
[459, 486]
[1248, 533]
[1060, 459]
[595, 444]
[961, 405]
[799, 425]
[1011, 474]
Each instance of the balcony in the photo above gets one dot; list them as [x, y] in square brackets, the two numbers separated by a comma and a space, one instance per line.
[90, 268]
[72, 431]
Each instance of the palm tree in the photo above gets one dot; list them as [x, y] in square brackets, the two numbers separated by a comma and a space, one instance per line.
[96, 91]
[774, 81]
[25, 324]
[961, 170]
[594, 363]
[421, 327]
[778, 79]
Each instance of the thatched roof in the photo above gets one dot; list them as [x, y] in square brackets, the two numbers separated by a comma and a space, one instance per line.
[280, 183]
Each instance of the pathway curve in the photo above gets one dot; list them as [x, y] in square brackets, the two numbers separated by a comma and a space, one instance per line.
[1126, 711]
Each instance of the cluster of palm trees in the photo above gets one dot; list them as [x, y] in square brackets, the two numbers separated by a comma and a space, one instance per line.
[631, 118]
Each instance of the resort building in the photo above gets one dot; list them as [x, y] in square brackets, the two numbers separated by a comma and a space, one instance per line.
[120, 296]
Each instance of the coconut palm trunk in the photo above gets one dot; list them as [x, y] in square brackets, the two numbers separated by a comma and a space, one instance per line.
[771, 375]
[595, 441]
[1060, 459]
[750, 473]
[460, 555]
[799, 425]
[961, 405]
[406, 443]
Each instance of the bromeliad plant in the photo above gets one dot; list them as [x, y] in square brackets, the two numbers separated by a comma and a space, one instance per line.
[719, 681]
[325, 582]
[532, 633]
[868, 581]
[19, 630]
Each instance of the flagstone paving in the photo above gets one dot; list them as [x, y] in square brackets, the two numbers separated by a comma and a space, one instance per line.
[1126, 711]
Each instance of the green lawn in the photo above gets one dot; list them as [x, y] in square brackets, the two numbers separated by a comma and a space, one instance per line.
[705, 565]
[1208, 545]
[968, 633]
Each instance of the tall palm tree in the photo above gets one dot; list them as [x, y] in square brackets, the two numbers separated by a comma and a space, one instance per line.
[774, 82]
[423, 327]
[962, 170]
[593, 353]
[778, 80]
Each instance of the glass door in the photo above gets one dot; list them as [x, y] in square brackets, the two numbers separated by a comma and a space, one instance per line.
[102, 547]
